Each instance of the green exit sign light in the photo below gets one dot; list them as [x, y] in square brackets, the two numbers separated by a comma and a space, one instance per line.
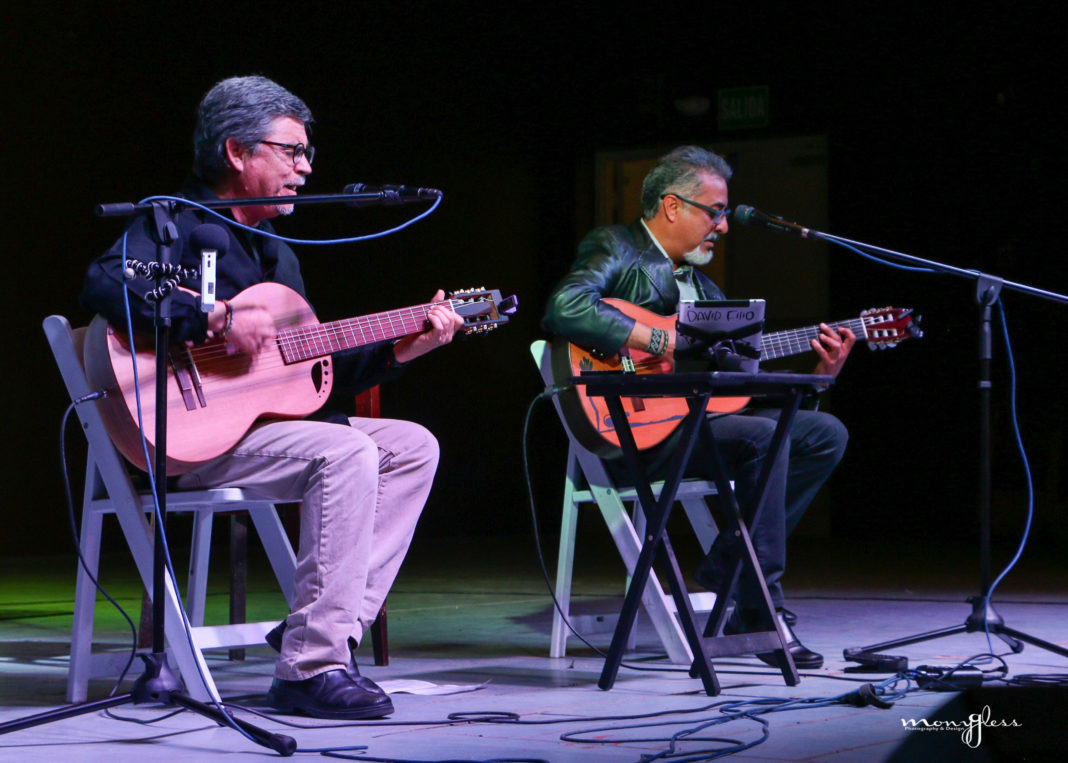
[742, 107]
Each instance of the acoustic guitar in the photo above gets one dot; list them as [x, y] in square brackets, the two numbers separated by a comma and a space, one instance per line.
[215, 393]
[653, 419]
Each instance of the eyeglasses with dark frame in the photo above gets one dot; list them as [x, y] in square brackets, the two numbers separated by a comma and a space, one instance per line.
[718, 215]
[296, 151]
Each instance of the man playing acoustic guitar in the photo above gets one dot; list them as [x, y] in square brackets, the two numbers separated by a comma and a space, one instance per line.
[361, 482]
[651, 264]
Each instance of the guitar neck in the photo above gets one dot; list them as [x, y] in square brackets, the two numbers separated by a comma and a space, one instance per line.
[781, 344]
[315, 341]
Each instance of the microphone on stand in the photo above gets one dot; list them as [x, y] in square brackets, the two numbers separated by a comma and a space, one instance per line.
[211, 241]
[389, 195]
[747, 215]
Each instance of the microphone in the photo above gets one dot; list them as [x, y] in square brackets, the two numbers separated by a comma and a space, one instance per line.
[390, 194]
[211, 241]
[747, 215]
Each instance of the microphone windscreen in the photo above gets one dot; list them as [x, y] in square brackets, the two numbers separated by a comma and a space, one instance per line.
[743, 214]
[209, 236]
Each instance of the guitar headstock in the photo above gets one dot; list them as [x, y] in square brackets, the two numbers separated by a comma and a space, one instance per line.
[888, 326]
[482, 309]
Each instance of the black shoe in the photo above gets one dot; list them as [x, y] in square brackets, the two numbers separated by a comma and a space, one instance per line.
[334, 695]
[710, 573]
[274, 640]
[746, 621]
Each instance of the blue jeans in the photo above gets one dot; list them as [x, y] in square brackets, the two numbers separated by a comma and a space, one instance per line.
[815, 445]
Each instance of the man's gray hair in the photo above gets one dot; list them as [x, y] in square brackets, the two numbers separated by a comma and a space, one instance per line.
[676, 172]
[241, 108]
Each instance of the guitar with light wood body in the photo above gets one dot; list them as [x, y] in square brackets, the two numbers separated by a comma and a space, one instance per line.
[216, 394]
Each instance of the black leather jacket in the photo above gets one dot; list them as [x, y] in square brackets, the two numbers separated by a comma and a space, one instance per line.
[622, 262]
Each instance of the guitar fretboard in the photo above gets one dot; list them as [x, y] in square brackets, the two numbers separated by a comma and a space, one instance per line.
[780, 344]
[307, 342]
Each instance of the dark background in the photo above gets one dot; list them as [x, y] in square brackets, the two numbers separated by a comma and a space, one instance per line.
[946, 137]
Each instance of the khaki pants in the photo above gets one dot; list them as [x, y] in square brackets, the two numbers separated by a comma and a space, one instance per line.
[362, 489]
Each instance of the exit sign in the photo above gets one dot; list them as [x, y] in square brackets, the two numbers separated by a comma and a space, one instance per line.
[742, 107]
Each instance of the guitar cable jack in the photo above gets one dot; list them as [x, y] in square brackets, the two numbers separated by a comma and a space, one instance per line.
[91, 396]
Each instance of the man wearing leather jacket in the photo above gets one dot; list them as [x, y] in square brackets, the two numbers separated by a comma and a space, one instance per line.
[653, 263]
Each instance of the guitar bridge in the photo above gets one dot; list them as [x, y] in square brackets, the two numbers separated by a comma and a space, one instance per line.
[188, 378]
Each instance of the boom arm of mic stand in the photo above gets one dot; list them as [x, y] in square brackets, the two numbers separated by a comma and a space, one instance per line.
[127, 209]
[944, 268]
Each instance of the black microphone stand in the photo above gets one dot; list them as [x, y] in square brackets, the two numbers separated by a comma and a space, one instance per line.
[983, 617]
[157, 683]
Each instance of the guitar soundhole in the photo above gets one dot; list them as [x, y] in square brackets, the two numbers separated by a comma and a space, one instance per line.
[319, 373]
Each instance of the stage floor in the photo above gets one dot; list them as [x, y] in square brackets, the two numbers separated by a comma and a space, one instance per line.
[475, 615]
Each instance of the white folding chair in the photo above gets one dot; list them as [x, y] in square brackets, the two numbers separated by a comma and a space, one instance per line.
[110, 490]
[587, 481]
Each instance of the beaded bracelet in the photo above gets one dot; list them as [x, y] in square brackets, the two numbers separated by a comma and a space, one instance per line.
[229, 319]
[663, 337]
[657, 342]
[653, 342]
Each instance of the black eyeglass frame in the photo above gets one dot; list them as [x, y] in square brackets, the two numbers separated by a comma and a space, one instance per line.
[718, 215]
[297, 151]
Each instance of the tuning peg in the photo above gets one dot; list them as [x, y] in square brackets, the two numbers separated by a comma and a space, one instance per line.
[914, 327]
[509, 305]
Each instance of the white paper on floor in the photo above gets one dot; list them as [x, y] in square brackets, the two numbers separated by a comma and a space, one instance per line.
[411, 686]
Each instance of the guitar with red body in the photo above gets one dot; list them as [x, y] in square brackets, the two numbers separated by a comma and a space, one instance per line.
[653, 419]
[215, 394]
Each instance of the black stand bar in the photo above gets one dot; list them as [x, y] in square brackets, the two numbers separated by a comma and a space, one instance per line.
[744, 560]
[697, 389]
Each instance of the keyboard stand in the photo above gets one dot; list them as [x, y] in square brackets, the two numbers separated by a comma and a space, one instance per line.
[698, 389]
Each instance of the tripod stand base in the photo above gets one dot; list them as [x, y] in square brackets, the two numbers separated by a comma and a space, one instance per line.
[158, 685]
[70, 711]
[983, 619]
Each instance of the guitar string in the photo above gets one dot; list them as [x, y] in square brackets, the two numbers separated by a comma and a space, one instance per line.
[317, 340]
[867, 327]
[233, 364]
[798, 339]
[795, 341]
[373, 324]
[295, 347]
[324, 332]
